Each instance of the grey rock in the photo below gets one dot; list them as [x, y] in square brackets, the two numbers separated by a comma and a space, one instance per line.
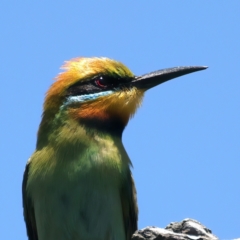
[188, 229]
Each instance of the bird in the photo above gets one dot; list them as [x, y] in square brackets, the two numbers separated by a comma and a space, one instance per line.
[78, 185]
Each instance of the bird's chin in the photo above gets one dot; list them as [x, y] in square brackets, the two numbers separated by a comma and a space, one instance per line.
[120, 105]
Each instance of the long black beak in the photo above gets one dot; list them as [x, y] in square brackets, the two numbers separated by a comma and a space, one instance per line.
[153, 79]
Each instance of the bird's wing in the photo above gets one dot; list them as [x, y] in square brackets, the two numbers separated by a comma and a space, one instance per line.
[28, 210]
[129, 206]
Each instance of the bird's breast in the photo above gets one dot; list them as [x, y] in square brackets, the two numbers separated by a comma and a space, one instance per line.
[79, 197]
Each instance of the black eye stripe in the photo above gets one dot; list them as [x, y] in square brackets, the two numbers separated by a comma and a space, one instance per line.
[96, 84]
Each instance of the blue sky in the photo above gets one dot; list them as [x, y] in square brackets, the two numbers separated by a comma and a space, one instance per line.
[184, 141]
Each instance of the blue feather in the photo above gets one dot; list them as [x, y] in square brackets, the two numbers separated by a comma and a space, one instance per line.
[86, 97]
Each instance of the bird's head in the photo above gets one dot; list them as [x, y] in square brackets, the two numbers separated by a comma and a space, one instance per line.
[100, 92]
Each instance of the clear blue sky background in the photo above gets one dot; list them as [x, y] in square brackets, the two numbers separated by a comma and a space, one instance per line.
[185, 140]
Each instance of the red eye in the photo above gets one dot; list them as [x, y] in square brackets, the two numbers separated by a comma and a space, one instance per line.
[101, 82]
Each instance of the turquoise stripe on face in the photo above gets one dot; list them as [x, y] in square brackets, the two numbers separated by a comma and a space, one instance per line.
[86, 97]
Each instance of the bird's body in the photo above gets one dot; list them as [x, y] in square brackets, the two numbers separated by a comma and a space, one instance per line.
[77, 184]
[86, 203]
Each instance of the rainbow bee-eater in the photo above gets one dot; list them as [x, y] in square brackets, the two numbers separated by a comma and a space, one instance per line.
[77, 184]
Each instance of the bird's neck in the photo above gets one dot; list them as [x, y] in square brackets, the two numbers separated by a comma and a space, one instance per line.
[71, 140]
[110, 126]
[77, 130]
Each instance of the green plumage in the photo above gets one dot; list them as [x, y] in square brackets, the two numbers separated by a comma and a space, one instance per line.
[81, 186]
